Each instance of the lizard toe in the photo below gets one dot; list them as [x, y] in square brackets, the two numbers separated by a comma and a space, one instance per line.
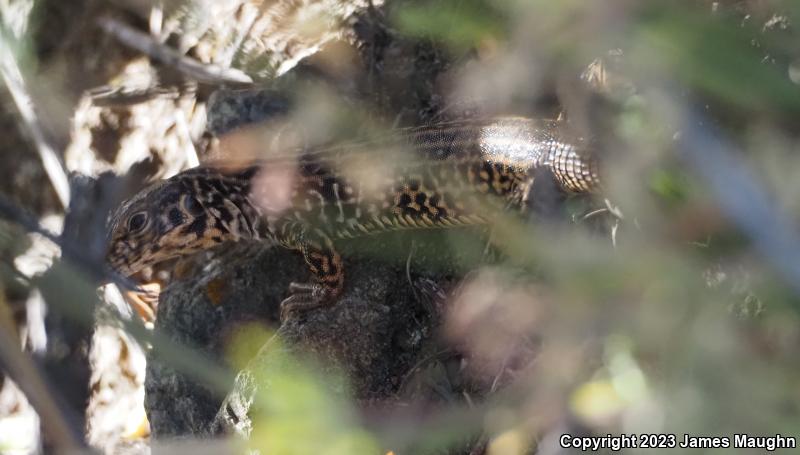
[304, 297]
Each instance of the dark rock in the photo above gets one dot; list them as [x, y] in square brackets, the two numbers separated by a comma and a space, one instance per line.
[231, 109]
[374, 334]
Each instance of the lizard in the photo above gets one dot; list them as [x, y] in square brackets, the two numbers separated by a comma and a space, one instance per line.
[439, 176]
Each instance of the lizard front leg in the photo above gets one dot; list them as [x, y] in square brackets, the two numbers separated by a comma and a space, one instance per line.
[325, 264]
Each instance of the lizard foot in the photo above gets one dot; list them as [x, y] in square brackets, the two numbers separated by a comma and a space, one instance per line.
[304, 297]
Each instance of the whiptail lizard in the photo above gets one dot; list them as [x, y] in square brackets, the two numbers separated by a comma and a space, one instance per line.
[450, 175]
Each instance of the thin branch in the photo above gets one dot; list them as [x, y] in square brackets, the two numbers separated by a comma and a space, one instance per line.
[12, 76]
[142, 42]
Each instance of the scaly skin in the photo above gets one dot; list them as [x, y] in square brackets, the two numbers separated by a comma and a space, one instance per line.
[441, 176]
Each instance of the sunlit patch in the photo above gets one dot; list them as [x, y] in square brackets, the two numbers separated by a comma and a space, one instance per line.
[510, 442]
[137, 426]
[310, 23]
[621, 388]
[597, 401]
[511, 141]
[273, 187]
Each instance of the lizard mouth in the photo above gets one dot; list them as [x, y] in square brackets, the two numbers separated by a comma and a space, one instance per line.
[117, 256]
[122, 269]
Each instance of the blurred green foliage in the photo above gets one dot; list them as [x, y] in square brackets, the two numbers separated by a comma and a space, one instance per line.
[665, 318]
[696, 327]
[299, 409]
[715, 55]
[460, 25]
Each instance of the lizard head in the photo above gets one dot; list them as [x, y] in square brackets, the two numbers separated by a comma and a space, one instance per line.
[162, 222]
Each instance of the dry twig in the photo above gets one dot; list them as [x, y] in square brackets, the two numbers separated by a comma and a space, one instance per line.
[212, 74]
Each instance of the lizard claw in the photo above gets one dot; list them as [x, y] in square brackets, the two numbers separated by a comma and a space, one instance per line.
[303, 297]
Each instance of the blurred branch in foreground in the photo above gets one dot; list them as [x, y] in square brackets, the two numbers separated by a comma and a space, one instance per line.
[60, 430]
[738, 191]
[12, 76]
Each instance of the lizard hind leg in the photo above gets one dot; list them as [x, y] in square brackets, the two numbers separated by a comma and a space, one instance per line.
[327, 283]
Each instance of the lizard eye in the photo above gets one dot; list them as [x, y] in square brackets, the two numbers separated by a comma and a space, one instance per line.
[192, 206]
[137, 222]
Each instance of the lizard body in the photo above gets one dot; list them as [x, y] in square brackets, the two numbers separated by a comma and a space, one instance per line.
[440, 176]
